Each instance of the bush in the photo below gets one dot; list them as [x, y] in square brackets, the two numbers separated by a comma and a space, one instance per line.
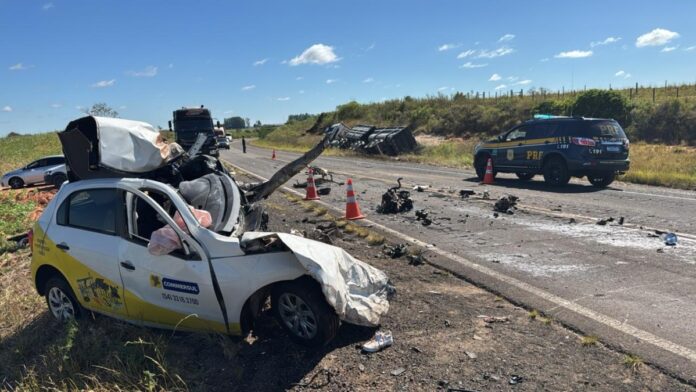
[602, 104]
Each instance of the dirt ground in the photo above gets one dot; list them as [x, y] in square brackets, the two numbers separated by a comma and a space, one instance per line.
[441, 342]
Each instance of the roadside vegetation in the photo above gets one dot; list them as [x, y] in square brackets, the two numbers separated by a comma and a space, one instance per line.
[663, 132]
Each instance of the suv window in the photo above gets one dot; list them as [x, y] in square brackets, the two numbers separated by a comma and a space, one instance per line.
[93, 209]
[36, 164]
[606, 129]
[55, 161]
[517, 133]
[542, 130]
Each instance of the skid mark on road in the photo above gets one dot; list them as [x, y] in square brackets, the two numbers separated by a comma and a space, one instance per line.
[572, 306]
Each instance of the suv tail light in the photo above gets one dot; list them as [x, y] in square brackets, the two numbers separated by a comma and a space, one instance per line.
[583, 141]
[30, 239]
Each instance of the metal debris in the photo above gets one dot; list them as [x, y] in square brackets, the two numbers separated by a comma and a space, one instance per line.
[486, 195]
[326, 233]
[422, 216]
[397, 372]
[395, 200]
[465, 193]
[515, 379]
[494, 319]
[421, 188]
[395, 251]
[506, 204]
[603, 222]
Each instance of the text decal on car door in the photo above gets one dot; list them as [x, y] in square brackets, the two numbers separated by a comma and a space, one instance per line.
[180, 286]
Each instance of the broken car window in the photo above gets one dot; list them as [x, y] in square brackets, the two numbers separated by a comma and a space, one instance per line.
[93, 209]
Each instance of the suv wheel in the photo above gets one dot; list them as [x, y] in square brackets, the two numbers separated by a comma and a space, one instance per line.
[601, 180]
[556, 171]
[58, 179]
[303, 312]
[525, 176]
[16, 183]
[61, 300]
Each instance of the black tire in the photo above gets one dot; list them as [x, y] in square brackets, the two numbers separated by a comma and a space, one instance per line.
[480, 165]
[525, 176]
[601, 180]
[61, 300]
[16, 183]
[556, 171]
[319, 312]
[58, 179]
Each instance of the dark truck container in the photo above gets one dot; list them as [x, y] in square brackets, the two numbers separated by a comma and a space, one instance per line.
[189, 123]
[391, 141]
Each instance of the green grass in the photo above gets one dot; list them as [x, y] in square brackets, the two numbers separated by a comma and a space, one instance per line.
[654, 164]
[14, 211]
[17, 151]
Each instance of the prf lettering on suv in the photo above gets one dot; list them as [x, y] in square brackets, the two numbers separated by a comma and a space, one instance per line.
[558, 148]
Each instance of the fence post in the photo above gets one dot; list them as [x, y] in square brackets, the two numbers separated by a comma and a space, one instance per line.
[653, 94]
[677, 91]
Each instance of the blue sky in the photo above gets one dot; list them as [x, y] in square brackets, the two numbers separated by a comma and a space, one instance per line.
[267, 59]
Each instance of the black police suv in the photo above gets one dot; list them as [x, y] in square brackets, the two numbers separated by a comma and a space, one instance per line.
[559, 148]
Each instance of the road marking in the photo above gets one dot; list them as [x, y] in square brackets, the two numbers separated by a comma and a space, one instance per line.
[628, 329]
[655, 195]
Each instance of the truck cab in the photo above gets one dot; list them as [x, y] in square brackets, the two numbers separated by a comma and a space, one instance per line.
[189, 123]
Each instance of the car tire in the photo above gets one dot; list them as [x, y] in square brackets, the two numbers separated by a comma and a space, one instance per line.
[15, 183]
[58, 179]
[602, 180]
[525, 176]
[480, 166]
[61, 300]
[556, 171]
[302, 311]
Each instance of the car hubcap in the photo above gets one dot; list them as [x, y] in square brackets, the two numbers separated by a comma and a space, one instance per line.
[60, 304]
[297, 316]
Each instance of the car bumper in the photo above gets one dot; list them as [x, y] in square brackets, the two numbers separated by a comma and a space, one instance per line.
[600, 165]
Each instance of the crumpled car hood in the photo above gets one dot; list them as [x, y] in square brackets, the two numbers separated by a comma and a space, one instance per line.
[356, 290]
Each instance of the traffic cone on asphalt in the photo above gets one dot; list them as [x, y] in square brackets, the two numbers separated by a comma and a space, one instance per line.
[273, 156]
[488, 177]
[311, 188]
[352, 208]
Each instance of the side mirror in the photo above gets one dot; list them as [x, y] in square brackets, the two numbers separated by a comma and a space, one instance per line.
[500, 138]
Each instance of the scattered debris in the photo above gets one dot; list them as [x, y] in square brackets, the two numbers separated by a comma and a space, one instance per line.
[506, 204]
[416, 350]
[416, 260]
[515, 379]
[324, 191]
[371, 140]
[395, 251]
[621, 220]
[603, 222]
[465, 193]
[395, 200]
[326, 233]
[361, 367]
[494, 319]
[421, 188]
[470, 354]
[378, 342]
[398, 371]
[670, 239]
[486, 195]
[422, 216]
[572, 221]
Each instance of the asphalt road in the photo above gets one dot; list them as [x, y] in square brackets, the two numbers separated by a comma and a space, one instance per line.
[619, 282]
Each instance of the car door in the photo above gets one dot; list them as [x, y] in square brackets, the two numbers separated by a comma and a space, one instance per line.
[34, 172]
[84, 241]
[511, 152]
[172, 290]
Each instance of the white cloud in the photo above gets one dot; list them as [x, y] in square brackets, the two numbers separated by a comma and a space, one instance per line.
[607, 41]
[523, 82]
[249, 87]
[18, 67]
[470, 65]
[369, 48]
[500, 86]
[7, 108]
[104, 83]
[283, 99]
[122, 107]
[148, 72]
[574, 54]
[443, 88]
[545, 59]
[260, 62]
[171, 65]
[446, 47]
[331, 81]
[620, 73]
[690, 48]
[512, 78]
[56, 105]
[628, 75]
[316, 54]
[489, 54]
[669, 49]
[494, 78]
[299, 78]
[466, 54]
[507, 37]
[301, 92]
[47, 6]
[368, 80]
[657, 37]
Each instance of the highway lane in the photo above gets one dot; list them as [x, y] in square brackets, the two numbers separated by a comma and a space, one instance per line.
[615, 281]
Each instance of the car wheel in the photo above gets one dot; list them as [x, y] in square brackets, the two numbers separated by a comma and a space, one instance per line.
[602, 180]
[480, 166]
[61, 300]
[556, 171]
[58, 180]
[16, 183]
[525, 176]
[302, 311]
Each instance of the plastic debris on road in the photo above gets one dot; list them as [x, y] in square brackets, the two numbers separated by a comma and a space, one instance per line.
[670, 239]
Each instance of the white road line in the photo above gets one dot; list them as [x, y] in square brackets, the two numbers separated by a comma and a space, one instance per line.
[655, 195]
[562, 302]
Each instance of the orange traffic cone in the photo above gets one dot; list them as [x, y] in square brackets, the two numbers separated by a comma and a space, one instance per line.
[273, 156]
[488, 177]
[352, 208]
[311, 188]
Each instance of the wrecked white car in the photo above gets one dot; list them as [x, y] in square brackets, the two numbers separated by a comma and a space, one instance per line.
[125, 237]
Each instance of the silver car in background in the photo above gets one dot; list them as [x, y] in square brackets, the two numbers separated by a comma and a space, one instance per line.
[33, 173]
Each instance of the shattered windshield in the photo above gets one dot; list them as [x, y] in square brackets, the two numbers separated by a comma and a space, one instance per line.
[193, 125]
